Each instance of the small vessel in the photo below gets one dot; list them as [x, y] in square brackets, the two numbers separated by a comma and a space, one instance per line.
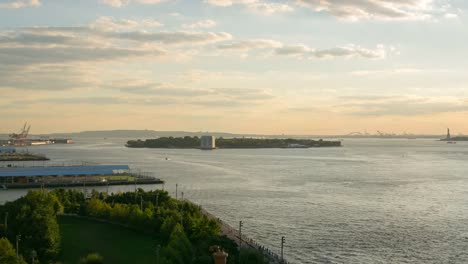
[451, 142]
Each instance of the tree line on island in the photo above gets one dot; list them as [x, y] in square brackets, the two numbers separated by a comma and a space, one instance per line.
[194, 142]
[182, 232]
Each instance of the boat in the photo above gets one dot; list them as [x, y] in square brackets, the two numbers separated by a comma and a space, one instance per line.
[451, 142]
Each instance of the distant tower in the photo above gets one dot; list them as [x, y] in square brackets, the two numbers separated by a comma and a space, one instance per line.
[208, 142]
[448, 133]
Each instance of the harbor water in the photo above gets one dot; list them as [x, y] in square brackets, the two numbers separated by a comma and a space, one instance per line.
[370, 201]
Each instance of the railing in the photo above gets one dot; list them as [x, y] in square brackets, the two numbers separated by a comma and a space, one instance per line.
[233, 234]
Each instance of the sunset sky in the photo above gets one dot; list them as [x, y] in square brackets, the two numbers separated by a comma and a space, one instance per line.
[242, 66]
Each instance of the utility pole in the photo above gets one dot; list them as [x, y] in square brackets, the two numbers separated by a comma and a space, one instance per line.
[33, 255]
[141, 203]
[18, 238]
[157, 253]
[282, 246]
[176, 190]
[182, 196]
[6, 223]
[240, 239]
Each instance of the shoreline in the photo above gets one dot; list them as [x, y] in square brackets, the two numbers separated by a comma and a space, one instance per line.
[233, 234]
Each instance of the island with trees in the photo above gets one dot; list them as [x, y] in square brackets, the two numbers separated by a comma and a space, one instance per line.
[231, 143]
[67, 226]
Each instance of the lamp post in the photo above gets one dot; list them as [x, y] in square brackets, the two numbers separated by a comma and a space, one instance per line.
[176, 190]
[18, 238]
[6, 223]
[33, 255]
[282, 246]
[157, 253]
[240, 240]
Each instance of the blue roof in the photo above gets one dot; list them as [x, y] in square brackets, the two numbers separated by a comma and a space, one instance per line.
[61, 170]
[7, 150]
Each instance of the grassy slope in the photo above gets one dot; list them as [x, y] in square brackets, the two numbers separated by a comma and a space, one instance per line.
[116, 244]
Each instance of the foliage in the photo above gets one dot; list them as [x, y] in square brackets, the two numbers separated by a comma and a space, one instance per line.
[166, 142]
[194, 142]
[252, 256]
[183, 232]
[34, 218]
[92, 258]
[8, 253]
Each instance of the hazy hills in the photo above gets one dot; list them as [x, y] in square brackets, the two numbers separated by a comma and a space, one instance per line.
[147, 134]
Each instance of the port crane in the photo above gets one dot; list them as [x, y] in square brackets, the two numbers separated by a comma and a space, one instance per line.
[20, 139]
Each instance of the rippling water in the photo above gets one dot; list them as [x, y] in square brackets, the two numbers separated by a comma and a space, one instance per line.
[371, 201]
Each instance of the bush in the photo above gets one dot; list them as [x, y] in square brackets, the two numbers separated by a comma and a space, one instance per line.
[93, 258]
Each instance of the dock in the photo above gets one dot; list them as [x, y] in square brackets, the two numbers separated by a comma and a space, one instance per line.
[70, 183]
[12, 177]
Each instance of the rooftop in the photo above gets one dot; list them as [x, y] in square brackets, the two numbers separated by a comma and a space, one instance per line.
[61, 170]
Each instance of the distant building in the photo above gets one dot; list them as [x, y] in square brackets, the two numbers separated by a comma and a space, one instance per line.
[208, 142]
[448, 134]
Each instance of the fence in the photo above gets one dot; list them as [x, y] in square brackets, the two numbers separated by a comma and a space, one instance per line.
[233, 234]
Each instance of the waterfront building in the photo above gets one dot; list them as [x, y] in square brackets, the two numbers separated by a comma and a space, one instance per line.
[7, 150]
[208, 142]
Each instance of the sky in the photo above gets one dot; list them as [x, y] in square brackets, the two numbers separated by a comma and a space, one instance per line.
[242, 66]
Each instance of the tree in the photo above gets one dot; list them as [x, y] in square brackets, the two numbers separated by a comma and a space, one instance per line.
[252, 256]
[8, 253]
[93, 258]
[34, 217]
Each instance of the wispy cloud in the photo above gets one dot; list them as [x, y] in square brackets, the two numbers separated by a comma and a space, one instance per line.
[375, 105]
[376, 9]
[257, 6]
[121, 3]
[303, 51]
[208, 23]
[19, 3]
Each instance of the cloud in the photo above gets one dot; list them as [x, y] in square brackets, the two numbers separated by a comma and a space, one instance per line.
[33, 55]
[257, 6]
[303, 51]
[54, 77]
[139, 87]
[86, 100]
[105, 39]
[20, 3]
[374, 105]
[201, 24]
[121, 3]
[157, 89]
[293, 50]
[106, 23]
[252, 44]
[178, 37]
[374, 9]
[351, 51]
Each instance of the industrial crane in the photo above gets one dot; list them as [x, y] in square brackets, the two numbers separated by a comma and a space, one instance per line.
[21, 138]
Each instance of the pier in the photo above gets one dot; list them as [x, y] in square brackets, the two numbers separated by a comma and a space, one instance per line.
[12, 177]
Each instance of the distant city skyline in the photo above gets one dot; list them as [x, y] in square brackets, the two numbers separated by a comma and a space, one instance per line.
[303, 67]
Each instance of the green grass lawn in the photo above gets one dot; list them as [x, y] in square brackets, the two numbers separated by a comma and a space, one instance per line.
[115, 243]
